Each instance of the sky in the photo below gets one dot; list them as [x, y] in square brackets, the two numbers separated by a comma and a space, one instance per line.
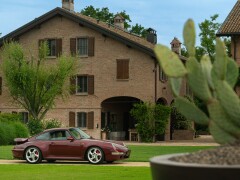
[167, 17]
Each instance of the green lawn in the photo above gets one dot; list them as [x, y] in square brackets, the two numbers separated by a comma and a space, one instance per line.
[43, 171]
[139, 153]
[144, 153]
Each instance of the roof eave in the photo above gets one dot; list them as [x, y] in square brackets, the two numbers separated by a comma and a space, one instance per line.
[59, 11]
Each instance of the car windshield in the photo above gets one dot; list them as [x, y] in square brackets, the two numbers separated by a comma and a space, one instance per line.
[79, 134]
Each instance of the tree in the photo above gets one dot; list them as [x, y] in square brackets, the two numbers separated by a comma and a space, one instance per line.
[208, 30]
[208, 35]
[139, 30]
[32, 84]
[106, 16]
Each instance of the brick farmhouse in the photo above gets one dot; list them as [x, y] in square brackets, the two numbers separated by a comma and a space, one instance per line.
[117, 69]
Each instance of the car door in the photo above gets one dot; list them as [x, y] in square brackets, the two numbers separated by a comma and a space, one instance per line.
[62, 148]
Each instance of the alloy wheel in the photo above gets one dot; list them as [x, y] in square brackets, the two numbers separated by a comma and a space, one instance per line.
[95, 155]
[33, 155]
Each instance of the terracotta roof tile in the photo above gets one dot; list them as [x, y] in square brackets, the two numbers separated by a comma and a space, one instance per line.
[231, 24]
[119, 31]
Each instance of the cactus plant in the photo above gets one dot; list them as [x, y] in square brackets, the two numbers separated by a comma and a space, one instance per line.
[212, 83]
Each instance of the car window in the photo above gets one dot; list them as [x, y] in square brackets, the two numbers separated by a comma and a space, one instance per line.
[44, 136]
[59, 135]
[79, 134]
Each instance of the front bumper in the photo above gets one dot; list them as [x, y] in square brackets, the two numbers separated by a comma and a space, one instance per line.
[114, 156]
[18, 153]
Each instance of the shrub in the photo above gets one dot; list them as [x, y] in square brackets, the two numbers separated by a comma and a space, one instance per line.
[21, 129]
[11, 127]
[151, 119]
[35, 126]
[6, 117]
[7, 133]
[51, 123]
[179, 121]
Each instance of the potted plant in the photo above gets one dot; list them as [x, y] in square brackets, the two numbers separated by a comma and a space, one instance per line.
[104, 132]
[213, 83]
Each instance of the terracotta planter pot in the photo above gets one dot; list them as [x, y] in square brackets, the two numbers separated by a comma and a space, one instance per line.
[164, 169]
[103, 135]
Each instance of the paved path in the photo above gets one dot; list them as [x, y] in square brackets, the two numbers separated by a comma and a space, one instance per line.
[80, 163]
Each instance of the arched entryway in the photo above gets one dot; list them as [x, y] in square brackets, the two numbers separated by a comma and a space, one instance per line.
[162, 101]
[116, 116]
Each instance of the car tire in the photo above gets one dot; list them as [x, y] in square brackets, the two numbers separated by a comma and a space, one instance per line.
[95, 155]
[33, 155]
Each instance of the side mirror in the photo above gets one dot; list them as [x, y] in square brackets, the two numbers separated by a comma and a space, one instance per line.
[70, 138]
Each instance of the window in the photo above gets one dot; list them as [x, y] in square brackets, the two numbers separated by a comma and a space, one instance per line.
[54, 46]
[44, 136]
[122, 68]
[162, 75]
[82, 84]
[59, 135]
[82, 119]
[24, 116]
[82, 46]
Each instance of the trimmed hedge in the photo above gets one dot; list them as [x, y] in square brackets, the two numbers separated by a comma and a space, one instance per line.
[10, 128]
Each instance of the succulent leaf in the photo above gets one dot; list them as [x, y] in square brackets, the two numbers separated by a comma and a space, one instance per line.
[191, 111]
[197, 80]
[229, 100]
[169, 61]
[189, 36]
[219, 135]
[232, 72]
[207, 68]
[221, 61]
[218, 115]
[176, 84]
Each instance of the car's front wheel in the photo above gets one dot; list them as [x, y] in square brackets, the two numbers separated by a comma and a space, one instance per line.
[95, 155]
[33, 155]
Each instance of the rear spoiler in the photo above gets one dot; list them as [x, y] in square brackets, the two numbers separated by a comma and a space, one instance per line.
[20, 140]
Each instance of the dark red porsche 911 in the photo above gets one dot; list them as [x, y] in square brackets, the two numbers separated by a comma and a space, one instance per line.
[68, 144]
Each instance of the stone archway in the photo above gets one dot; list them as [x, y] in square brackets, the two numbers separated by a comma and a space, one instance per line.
[116, 116]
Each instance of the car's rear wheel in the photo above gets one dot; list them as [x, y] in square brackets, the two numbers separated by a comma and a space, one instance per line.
[33, 155]
[95, 155]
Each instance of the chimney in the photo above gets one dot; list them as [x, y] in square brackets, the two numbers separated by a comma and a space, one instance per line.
[176, 46]
[68, 5]
[152, 36]
[119, 21]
